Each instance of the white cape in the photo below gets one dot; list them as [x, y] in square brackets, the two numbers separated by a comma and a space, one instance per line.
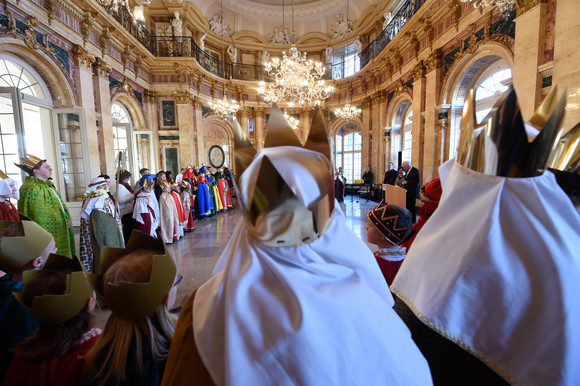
[497, 270]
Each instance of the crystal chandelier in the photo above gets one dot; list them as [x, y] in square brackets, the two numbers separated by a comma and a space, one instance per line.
[222, 108]
[297, 79]
[503, 6]
[292, 121]
[348, 112]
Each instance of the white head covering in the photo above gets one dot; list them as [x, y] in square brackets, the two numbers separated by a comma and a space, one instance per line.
[143, 202]
[496, 269]
[5, 189]
[95, 198]
[320, 313]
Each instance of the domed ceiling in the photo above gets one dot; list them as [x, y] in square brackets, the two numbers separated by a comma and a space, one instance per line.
[265, 17]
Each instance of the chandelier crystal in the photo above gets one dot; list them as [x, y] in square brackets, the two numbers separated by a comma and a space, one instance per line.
[224, 109]
[503, 6]
[297, 80]
[348, 112]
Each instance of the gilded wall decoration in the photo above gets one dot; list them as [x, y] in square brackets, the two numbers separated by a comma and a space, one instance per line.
[30, 37]
[82, 57]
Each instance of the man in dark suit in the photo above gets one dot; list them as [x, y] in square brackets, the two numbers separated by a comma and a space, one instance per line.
[368, 176]
[390, 174]
[411, 183]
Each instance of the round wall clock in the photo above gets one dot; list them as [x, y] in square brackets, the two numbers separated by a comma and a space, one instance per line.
[217, 156]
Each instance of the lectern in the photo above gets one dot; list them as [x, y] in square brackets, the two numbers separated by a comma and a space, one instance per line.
[395, 195]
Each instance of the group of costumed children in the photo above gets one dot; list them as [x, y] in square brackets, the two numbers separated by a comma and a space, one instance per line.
[169, 209]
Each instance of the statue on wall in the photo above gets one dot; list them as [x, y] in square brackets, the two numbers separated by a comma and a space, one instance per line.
[265, 56]
[329, 55]
[202, 42]
[177, 25]
[215, 24]
[281, 35]
[358, 44]
[233, 53]
[388, 17]
[342, 26]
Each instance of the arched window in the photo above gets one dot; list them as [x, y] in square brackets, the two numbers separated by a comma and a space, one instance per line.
[408, 135]
[490, 81]
[121, 128]
[401, 131]
[348, 151]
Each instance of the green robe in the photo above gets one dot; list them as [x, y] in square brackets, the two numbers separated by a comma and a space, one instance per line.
[40, 201]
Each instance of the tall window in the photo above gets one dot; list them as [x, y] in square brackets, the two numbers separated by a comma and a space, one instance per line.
[351, 60]
[121, 130]
[408, 135]
[348, 152]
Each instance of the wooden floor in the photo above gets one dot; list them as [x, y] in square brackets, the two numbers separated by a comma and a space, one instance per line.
[197, 252]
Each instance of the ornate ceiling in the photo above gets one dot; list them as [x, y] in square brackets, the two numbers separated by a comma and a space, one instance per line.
[310, 16]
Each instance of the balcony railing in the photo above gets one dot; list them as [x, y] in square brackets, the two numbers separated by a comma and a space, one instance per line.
[184, 46]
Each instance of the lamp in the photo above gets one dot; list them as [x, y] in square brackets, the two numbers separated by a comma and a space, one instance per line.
[297, 79]
[348, 112]
[503, 6]
[222, 108]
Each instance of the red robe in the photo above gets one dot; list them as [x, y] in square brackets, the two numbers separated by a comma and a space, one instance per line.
[66, 370]
[8, 212]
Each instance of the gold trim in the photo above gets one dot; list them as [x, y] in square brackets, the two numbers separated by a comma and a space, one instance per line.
[490, 363]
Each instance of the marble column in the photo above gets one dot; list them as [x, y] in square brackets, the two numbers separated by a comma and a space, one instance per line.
[567, 57]
[366, 152]
[198, 147]
[107, 154]
[432, 140]
[418, 127]
[83, 73]
[528, 55]
[378, 136]
[152, 122]
[186, 126]
[259, 114]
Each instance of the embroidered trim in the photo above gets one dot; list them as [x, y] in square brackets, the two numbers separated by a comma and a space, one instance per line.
[489, 362]
[392, 254]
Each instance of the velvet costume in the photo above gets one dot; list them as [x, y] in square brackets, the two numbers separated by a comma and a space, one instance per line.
[8, 212]
[40, 201]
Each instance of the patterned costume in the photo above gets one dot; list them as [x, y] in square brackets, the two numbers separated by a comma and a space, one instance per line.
[40, 201]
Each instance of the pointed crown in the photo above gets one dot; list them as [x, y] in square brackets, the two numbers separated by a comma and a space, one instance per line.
[128, 300]
[29, 162]
[566, 157]
[20, 243]
[502, 144]
[280, 211]
[52, 309]
[3, 175]
[392, 221]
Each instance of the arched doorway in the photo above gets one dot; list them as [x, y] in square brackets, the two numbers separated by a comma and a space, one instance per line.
[217, 132]
[401, 132]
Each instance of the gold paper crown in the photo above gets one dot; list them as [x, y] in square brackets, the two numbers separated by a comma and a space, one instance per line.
[272, 195]
[131, 301]
[148, 184]
[30, 161]
[55, 309]
[20, 243]
[163, 184]
[3, 175]
[500, 145]
[566, 157]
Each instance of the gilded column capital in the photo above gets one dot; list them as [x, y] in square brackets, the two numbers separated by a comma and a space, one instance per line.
[525, 5]
[150, 96]
[400, 88]
[29, 35]
[82, 57]
[418, 71]
[182, 97]
[367, 103]
[435, 60]
[197, 103]
[259, 112]
[101, 68]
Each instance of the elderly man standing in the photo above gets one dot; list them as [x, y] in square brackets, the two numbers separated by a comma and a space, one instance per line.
[390, 175]
[412, 185]
[40, 201]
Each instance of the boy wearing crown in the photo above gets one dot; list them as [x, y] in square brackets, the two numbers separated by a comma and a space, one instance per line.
[389, 225]
[40, 201]
[24, 245]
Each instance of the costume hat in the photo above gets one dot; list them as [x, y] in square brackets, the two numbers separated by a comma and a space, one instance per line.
[3, 175]
[392, 221]
[29, 162]
[20, 243]
[566, 157]
[271, 194]
[502, 145]
[132, 301]
[52, 309]
[432, 191]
